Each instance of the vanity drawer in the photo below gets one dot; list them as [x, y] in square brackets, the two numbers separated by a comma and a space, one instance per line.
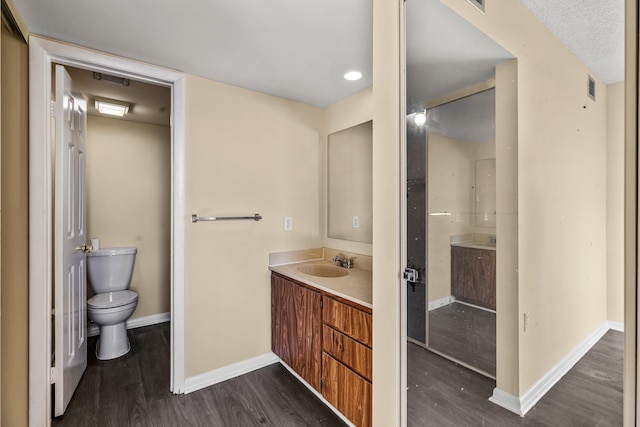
[347, 350]
[347, 391]
[347, 319]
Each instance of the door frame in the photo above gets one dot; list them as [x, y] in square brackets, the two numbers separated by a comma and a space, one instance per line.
[42, 54]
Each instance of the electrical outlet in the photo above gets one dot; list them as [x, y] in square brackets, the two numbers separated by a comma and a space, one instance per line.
[288, 223]
[356, 222]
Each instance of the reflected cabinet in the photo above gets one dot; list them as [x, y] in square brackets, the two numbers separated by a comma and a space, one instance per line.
[473, 276]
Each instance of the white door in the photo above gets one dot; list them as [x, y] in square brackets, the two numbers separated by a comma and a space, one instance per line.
[70, 275]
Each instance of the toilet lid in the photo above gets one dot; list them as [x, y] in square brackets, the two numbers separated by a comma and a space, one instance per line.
[112, 299]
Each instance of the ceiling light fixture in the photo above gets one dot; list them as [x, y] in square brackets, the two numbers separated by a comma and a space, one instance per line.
[420, 118]
[353, 75]
[112, 107]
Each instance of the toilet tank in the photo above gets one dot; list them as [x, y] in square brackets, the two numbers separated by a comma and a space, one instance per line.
[110, 269]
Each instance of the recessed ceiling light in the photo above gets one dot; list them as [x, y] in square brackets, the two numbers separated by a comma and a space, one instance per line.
[112, 107]
[353, 75]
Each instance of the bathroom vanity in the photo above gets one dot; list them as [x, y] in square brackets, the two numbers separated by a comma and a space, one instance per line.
[473, 273]
[321, 327]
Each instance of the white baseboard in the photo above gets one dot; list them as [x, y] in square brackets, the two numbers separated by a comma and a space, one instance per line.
[226, 373]
[522, 405]
[441, 302]
[616, 326]
[138, 322]
[318, 395]
[507, 401]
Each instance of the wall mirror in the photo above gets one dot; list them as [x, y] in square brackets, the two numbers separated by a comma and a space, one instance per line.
[350, 190]
[460, 223]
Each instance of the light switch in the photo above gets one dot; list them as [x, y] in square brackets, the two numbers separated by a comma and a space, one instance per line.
[356, 222]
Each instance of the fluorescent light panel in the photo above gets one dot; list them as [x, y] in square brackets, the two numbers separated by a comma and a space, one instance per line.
[112, 107]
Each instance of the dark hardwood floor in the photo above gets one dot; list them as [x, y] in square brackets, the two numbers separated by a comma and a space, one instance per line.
[465, 333]
[134, 391]
[442, 393]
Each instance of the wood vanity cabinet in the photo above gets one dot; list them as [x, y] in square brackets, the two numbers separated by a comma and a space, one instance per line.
[327, 341]
[473, 276]
[296, 327]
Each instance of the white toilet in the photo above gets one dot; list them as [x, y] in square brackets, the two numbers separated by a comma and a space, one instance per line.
[109, 271]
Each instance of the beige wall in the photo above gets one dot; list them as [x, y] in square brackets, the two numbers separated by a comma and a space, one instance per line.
[561, 190]
[15, 232]
[615, 202]
[129, 201]
[347, 113]
[245, 152]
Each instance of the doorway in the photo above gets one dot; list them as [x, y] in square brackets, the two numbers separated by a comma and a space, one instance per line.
[44, 53]
[128, 183]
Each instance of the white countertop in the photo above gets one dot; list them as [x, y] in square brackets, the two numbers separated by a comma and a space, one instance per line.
[355, 286]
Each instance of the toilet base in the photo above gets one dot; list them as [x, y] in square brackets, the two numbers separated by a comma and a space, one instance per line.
[113, 342]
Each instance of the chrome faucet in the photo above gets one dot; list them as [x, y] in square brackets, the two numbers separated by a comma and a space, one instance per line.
[492, 238]
[343, 262]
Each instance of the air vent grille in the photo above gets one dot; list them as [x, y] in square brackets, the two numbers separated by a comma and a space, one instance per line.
[591, 87]
[478, 3]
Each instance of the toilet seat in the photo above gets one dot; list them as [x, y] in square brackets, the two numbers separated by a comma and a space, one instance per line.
[112, 300]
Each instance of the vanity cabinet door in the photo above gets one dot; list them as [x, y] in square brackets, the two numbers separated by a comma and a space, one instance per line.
[473, 276]
[296, 327]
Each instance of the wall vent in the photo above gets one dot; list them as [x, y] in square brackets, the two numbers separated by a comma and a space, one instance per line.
[591, 87]
[478, 3]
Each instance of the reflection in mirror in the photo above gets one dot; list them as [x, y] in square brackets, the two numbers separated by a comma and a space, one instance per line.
[460, 251]
[350, 190]
[485, 193]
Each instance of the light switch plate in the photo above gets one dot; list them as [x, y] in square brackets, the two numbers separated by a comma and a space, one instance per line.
[288, 223]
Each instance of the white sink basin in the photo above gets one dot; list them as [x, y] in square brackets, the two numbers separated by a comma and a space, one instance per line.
[322, 270]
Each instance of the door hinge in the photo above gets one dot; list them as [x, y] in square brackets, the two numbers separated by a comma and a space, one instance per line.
[53, 108]
[53, 375]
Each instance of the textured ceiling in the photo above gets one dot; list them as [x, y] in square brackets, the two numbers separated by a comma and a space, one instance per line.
[592, 30]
